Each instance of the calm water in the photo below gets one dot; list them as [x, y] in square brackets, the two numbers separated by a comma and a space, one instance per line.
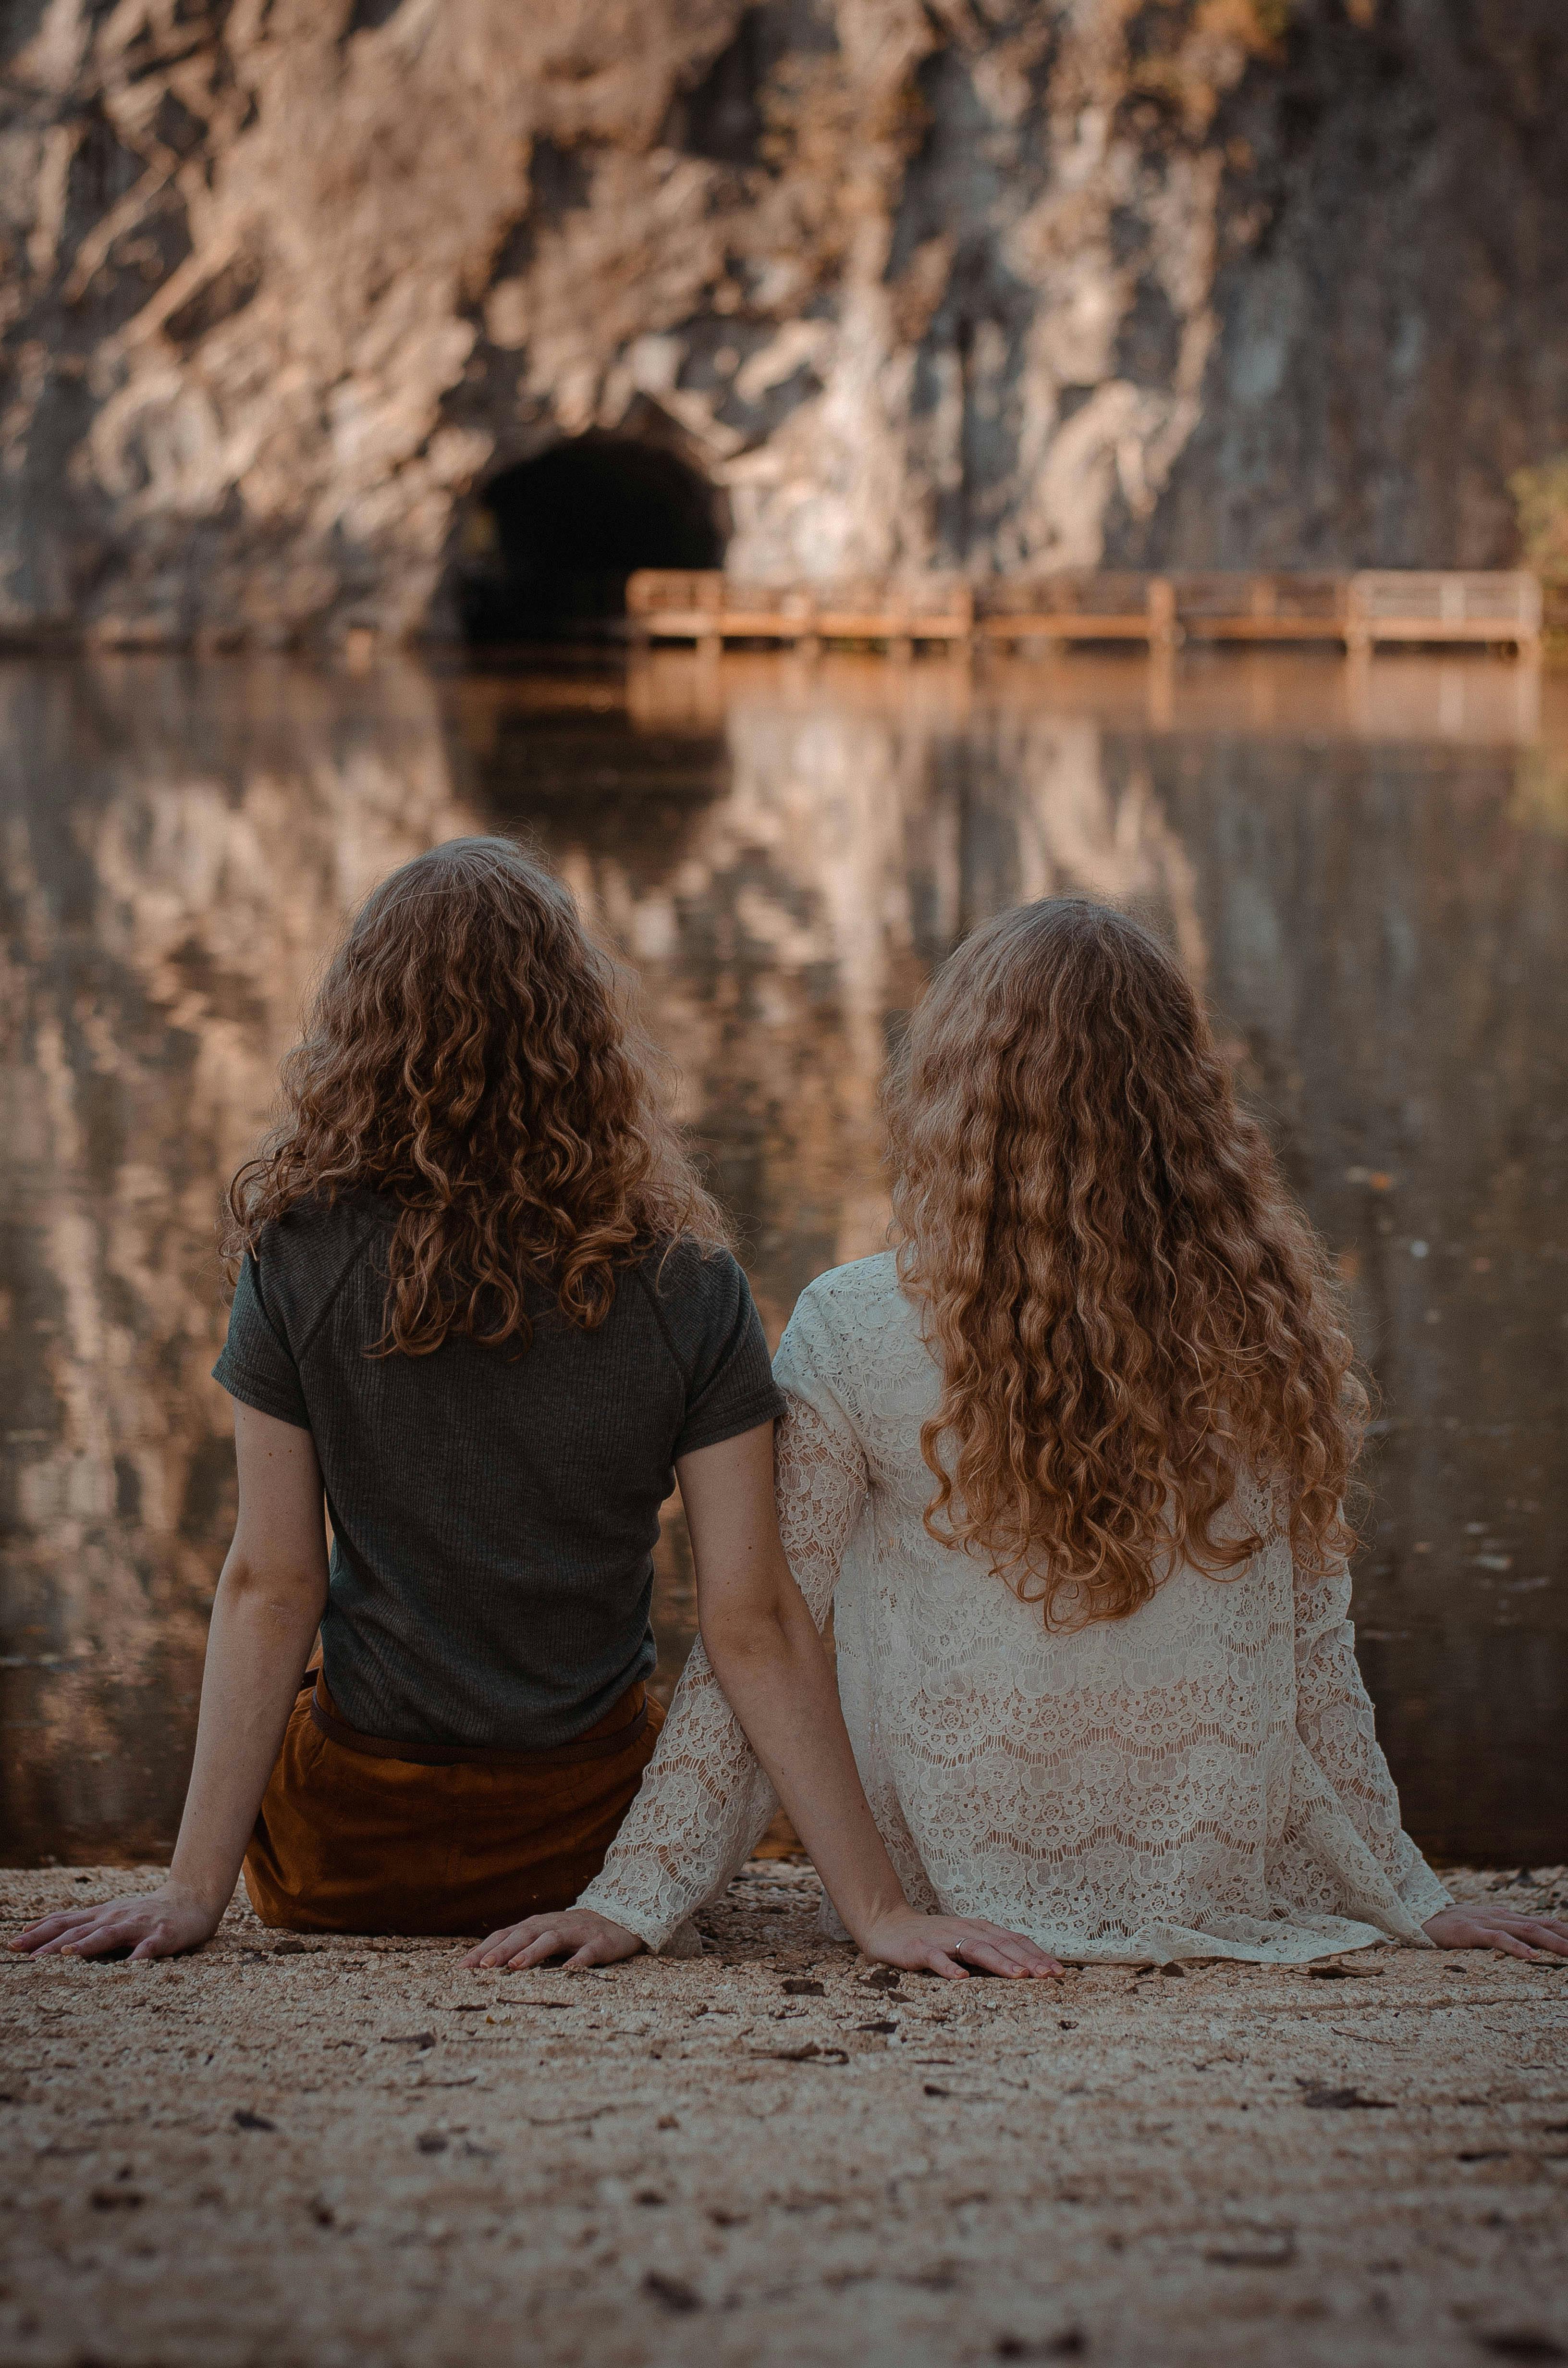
[1368, 874]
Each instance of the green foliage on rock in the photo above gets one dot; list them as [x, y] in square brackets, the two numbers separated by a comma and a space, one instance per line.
[1540, 500]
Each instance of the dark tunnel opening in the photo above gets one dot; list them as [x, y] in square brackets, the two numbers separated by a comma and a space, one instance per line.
[556, 538]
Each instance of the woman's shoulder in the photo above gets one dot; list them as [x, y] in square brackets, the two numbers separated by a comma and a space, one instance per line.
[316, 1226]
[852, 1336]
[685, 1267]
[849, 1312]
[697, 1290]
[303, 1253]
[864, 1283]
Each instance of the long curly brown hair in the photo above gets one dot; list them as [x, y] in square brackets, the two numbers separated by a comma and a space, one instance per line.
[468, 1056]
[1128, 1310]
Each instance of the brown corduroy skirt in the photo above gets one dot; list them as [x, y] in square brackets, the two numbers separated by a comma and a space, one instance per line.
[358, 1835]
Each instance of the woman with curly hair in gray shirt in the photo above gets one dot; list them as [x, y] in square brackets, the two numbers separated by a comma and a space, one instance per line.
[485, 1317]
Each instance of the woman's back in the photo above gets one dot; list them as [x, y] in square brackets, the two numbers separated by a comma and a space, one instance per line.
[1120, 1782]
[494, 1507]
[855, 1352]
[1198, 1778]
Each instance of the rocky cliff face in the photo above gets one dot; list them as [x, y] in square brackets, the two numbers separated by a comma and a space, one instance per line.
[992, 283]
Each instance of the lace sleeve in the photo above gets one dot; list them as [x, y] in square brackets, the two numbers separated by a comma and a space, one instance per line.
[704, 1800]
[821, 1480]
[1333, 1719]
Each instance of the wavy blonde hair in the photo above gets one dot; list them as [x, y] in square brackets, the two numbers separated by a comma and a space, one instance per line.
[1128, 1310]
[468, 1056]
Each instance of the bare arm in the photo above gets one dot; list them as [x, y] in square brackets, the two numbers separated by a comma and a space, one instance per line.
[705, 1801]
[766, 1655]
[269, 1606]
[769, 1659]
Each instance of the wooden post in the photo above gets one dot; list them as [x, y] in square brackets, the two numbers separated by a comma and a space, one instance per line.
[808, 641]
[1160, 605]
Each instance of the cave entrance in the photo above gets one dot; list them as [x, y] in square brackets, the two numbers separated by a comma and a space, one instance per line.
[556, 538]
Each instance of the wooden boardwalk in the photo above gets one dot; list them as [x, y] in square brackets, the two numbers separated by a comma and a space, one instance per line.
[1357, 611]
[710, 609]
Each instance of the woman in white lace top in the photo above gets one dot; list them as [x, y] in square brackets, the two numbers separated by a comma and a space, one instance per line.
[1068, 1471]
[1198, 1780]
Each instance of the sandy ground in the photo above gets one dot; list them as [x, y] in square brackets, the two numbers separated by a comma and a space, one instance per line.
[301, 2154]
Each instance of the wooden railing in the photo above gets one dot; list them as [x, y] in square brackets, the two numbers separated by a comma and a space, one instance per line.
[1091, 605]
[1080, 605]
[1402, 605]
[711, 609]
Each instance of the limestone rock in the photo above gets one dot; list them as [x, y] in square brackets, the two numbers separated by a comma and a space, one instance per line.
[1006, 283]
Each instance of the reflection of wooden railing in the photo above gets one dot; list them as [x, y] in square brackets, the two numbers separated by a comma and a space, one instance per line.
[1091, 605]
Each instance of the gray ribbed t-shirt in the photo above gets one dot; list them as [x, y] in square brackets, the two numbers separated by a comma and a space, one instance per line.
[493, 1510]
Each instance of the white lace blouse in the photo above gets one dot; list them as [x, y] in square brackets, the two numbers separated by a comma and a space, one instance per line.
[1202, 1780]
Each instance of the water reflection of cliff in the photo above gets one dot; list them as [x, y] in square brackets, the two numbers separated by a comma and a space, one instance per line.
[181, 843]
[781, 929]
[1364, 873]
